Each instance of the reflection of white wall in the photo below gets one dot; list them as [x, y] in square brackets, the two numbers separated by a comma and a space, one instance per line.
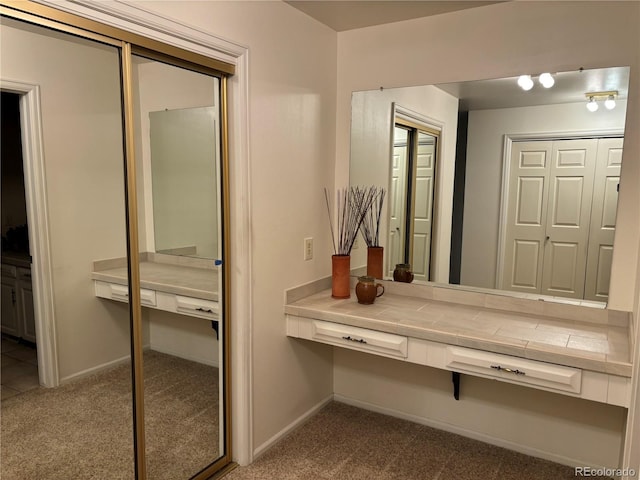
[483, 182]
[161, 87]
[82, 135]
[371, 149]
[183, 170]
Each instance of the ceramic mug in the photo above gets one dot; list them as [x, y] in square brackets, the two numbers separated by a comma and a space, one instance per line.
[367, 290]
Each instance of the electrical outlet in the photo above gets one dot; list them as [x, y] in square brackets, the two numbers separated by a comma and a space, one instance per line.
[308, 248]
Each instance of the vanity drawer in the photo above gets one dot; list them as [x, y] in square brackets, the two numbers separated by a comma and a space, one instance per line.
[195, 307]
[514, 369]
[357, 338]
[115, 291]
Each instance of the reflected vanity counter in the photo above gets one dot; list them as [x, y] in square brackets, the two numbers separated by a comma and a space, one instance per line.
[567, 349]
[182, 285]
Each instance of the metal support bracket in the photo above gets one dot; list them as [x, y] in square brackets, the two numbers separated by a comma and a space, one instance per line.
[455, 378]
[214, 325]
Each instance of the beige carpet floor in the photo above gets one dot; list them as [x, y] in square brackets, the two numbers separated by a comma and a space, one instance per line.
[83, 430]
[347, 443]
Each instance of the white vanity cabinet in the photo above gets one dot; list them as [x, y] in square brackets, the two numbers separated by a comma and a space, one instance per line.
[556, 351]
[178, 285]
[10, 318]
[572, 381]
[18, 318]
[170, 302]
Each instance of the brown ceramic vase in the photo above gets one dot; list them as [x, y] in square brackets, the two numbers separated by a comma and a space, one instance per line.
[374, 261]
[402, 273]
[340, 267]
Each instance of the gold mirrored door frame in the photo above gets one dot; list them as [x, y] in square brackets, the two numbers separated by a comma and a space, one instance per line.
[129, 43]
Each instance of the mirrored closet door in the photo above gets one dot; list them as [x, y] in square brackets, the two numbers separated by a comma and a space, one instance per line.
[85, 422]
[125, 165]
[177, 131]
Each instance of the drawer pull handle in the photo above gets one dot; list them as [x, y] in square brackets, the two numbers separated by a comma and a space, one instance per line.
[351, 339]
[206, 310]
[508, 370]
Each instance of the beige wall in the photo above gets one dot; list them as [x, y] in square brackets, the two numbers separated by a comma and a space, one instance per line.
[499, 41]
[81, 125]
[292, 82]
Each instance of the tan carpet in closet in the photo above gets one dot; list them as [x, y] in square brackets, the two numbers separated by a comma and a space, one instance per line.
[83, 429]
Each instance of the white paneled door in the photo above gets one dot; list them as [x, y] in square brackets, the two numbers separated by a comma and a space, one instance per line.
[526, 216]
[423, 205]
[398, 196]
[561, 207]
[603, 219]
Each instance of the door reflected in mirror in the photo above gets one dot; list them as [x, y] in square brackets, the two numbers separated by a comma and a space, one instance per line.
[412, 193]
[567, 195]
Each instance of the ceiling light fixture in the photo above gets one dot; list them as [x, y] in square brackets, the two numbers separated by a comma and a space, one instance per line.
[546, 80]
[609, 98]
[525, 82]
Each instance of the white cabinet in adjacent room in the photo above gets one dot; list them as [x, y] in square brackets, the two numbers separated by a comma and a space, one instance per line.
[18, 317]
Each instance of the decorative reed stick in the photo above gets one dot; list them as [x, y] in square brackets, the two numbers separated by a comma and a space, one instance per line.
[351, 206]
[370, 226]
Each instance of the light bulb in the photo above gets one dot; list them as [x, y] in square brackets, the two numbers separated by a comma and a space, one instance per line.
[546, 80]
[592, 106]
[610, 103]
[525, 82]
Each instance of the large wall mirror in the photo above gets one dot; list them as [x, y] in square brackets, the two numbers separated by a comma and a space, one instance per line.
[130, 149]
[525, 184]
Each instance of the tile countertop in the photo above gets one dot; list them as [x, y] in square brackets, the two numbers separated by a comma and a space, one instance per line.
[163, 274]
[581, 337]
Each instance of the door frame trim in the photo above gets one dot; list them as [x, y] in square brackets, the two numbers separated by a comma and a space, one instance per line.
[38, 221]
[509, 139]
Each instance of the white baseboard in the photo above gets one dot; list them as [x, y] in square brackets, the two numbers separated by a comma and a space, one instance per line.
[92, 370]
[292, 426]
[447, 427]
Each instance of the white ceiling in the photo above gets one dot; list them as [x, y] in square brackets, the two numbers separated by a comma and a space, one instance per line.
[570, 87]
[343, 15]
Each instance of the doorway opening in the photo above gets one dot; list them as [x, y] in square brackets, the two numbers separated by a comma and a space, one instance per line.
[19, 345]
[33, 282]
